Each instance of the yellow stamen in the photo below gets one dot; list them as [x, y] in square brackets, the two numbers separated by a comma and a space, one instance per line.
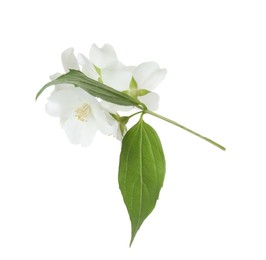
[83, 112]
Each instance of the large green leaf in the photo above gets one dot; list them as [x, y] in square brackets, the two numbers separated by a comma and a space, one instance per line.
[94, 88]
[141, 172]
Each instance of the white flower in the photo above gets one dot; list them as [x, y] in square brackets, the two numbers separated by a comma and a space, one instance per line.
[100, 59]
[148, 76]
[80, 114]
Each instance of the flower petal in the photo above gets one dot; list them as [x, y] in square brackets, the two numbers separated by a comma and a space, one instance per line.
[101, 120]
[151, 100]
[103, 57]
[131, 68]
[118, 79]
[113, 108]
[69, 60]
[148, 75]
[144, 70]
[87, 67]
[61, 101]
[116, 128]
[79, 132]
[154, 79]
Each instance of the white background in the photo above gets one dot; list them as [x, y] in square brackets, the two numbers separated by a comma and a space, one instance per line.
[59, 201]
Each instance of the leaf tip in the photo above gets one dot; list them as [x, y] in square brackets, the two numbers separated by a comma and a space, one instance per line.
[132, 238]
[221, 147]
[37, 95]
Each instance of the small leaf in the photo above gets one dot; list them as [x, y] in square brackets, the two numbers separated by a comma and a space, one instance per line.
[98, 70]
[141, 172]
[115, 116]
[93, 87]
[123, 124]
[133, 86]
[143, 92]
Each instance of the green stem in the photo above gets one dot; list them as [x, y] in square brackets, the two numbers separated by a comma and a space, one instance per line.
[185, 128]
[135, 114]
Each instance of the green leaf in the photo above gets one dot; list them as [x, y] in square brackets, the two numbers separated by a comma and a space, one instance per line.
[93, 87]
[133, 86]
[98, 70]
[141, 172]
[115, 116]
[143, 92]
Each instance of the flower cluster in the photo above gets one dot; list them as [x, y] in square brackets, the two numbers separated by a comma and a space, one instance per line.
[81, 114]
